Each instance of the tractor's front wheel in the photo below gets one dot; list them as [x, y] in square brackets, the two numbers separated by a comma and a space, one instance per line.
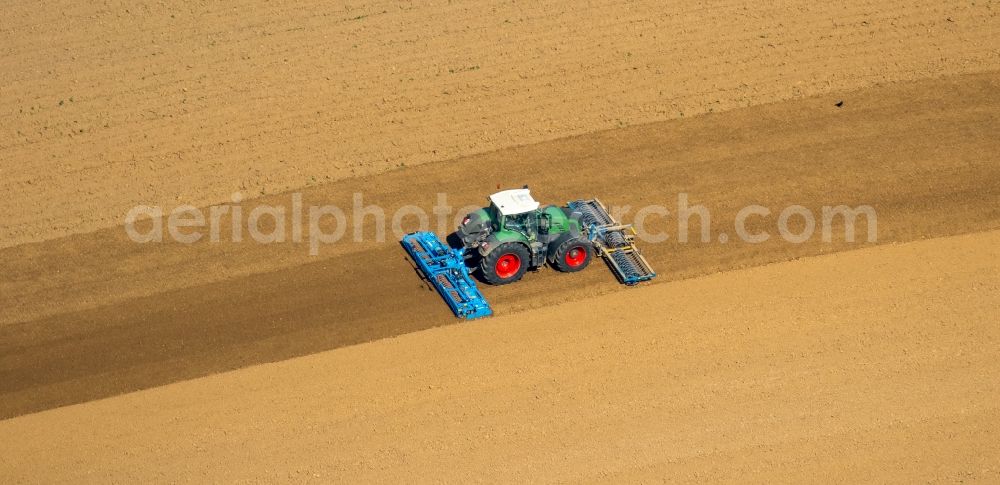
[505, 264]
[573, 255]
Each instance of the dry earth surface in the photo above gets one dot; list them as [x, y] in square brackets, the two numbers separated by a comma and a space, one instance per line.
[223, 361]
[879, 365]
[97, 315]
[105, 105]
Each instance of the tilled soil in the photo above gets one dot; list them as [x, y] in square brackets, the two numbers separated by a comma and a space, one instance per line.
[106, 106]
[98, 315]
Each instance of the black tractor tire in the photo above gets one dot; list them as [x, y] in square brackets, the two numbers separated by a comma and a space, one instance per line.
[505, 264]
[573, 255]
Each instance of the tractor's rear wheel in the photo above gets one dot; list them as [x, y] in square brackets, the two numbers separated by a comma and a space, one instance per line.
[505, 264]
[573, 255]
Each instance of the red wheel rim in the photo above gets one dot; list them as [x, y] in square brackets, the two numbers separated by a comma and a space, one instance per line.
[508, 265]
[576, 256]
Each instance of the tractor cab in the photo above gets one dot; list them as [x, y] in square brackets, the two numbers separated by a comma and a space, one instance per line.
[516, 210]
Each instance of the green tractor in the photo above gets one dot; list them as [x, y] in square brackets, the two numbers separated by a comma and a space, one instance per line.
[516, 233]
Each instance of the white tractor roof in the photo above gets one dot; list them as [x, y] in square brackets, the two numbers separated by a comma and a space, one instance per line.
[514, 201]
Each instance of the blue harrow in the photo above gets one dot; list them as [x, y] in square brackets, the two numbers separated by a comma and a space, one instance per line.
[445, 269]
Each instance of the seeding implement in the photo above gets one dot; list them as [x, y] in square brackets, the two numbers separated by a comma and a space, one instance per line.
[511, 235]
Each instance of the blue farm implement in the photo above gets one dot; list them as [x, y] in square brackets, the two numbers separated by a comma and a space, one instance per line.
[445, 269]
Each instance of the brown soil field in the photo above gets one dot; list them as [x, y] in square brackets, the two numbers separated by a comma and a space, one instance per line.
[879, 365]
[104, 106]
[97, 315]
[238, 361]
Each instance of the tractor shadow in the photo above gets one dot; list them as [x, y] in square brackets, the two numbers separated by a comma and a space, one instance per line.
[453, 241]
[472, 264]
